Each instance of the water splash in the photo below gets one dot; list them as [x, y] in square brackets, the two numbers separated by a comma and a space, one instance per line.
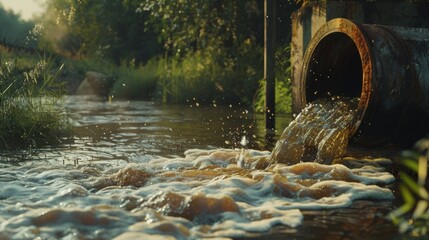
[319, 133]
[243, 143]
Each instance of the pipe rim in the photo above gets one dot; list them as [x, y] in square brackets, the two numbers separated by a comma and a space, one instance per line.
[355, 33]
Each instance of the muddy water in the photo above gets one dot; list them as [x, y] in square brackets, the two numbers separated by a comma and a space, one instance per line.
[135, 173]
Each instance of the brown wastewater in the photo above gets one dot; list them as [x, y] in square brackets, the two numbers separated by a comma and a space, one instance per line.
[141, 170]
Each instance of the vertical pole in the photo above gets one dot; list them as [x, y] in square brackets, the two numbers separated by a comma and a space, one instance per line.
[269, 63]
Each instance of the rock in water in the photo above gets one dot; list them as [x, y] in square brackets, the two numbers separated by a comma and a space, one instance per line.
[94, 84]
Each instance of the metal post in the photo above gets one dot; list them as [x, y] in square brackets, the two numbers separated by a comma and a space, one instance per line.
[269, 63]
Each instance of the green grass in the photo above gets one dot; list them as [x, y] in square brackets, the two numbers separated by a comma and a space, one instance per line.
[136, 82]
[209, 76]
[31, 114]
[201, 76]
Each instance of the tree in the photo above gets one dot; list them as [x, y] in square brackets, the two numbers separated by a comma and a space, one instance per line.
[109, 29]
[188, 25]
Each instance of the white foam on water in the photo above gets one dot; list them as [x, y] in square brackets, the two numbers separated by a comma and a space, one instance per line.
[204, 194]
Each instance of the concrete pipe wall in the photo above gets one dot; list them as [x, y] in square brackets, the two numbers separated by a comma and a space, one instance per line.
[387, 67]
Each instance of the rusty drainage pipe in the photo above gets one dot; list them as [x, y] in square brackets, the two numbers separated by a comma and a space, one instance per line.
[386, 67]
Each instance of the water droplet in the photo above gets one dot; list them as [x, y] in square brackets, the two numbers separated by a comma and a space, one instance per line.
[244, 141]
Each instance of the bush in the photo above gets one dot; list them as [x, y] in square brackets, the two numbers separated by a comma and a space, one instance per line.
[136, 82]
[211, 75]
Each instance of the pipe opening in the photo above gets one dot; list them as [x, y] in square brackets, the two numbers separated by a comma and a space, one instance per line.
[334, 69]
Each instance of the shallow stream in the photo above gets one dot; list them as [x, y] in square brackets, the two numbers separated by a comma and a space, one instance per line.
[142, 170]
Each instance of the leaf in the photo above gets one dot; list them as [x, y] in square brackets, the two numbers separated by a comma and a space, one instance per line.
[407, 196]
[406, 207]
[411, 164]
[422, 171]
[410, 183]
[423, 193]
[420, 209]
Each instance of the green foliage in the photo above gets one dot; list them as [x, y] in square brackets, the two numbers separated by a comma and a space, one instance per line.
[205, 50]
[201, 76]
[414, 192]
[185, 26]
[136, 82]
[128, 80]
[213, 48]
[191, 78]
[283, 97]
[304, 2]
[30, 113]
[106, 29]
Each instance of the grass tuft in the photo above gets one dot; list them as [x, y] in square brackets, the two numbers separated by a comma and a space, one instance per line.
[31, 113]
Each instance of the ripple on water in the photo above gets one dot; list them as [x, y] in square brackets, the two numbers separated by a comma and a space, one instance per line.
[202, 195]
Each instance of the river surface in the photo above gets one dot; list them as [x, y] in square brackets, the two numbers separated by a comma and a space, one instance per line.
[143, 170]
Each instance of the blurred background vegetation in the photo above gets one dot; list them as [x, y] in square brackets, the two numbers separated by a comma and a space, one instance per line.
[167, 51]
[170, 51]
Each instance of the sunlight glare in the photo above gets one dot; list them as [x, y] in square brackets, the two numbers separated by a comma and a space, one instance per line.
[25, 8]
